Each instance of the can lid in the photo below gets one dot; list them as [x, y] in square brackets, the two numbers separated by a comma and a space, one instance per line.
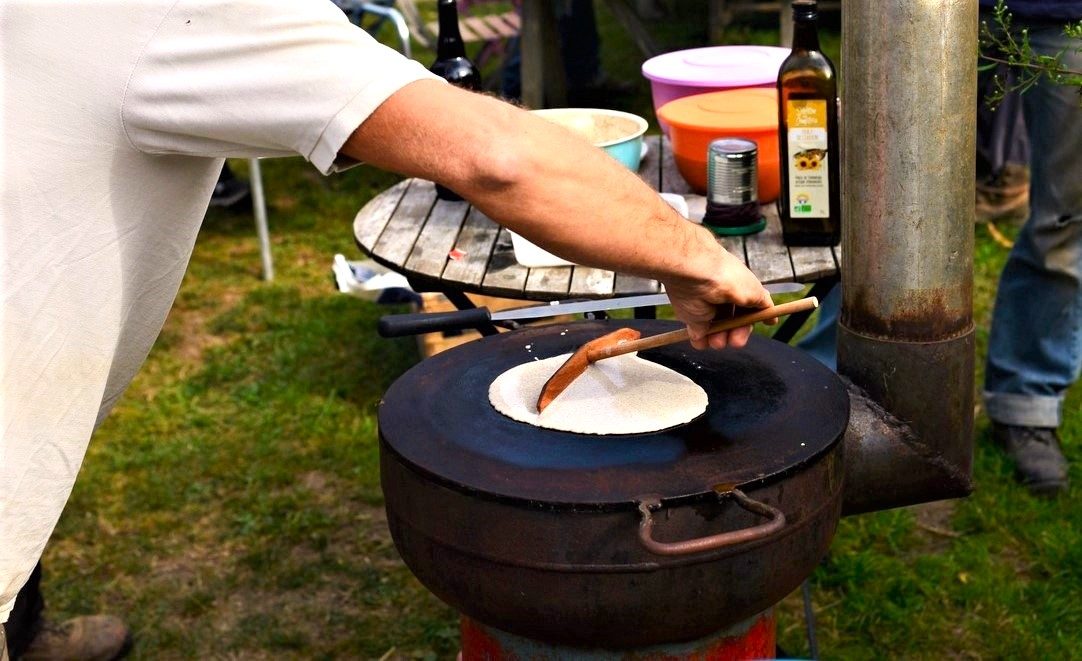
[752, 109]
[733, 146]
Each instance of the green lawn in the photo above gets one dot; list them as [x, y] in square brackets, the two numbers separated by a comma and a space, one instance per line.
[230, 506]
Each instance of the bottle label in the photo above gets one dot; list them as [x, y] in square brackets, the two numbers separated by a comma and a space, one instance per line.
[809, 183]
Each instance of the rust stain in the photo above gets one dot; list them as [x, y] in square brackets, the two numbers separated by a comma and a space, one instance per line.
[924, 316]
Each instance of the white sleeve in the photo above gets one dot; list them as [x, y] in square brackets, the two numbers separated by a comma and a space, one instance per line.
[246, 78]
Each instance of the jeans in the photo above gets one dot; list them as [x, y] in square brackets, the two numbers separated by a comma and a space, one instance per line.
[1001, 133]
[580, 47]
[1035, 350]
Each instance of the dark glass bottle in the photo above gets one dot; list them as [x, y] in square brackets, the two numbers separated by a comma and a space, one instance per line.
[810, 203]
[452, 65]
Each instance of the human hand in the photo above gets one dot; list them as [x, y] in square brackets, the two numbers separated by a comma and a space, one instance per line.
[724, 285]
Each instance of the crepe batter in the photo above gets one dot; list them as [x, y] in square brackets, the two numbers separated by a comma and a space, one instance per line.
[620, 395]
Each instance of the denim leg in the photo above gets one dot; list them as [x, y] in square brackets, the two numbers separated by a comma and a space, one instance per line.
[1035, 350]
[822, 341]
[1001, 133]
[580, 48]
[511, 76]
[580, 44]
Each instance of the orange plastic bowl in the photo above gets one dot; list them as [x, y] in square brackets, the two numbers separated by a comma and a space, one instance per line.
[698, 120]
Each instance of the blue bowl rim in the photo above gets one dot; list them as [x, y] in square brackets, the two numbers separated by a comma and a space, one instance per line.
[641, 121]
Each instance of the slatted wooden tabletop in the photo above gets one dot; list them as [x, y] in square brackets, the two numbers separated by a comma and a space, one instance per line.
[409, 230]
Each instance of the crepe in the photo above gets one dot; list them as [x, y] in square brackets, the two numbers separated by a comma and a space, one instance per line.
[620, 395]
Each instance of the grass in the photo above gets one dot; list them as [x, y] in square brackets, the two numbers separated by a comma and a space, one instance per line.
[230, 505]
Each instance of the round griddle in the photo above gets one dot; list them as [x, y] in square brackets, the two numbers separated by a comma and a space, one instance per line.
[772, 410]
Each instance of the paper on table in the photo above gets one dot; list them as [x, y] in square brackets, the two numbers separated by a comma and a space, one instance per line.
[365, 279]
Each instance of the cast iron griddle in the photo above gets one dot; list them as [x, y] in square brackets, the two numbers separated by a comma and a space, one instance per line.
[772, 409]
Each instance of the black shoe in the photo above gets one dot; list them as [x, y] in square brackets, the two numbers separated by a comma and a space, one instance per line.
[229, 193]
[1038, 458]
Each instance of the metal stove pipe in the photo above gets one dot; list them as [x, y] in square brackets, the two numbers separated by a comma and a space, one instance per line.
[906, 332]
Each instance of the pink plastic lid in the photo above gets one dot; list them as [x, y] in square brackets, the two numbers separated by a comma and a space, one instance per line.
[717, 66]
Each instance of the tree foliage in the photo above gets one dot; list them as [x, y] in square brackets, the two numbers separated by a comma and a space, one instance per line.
[1004, 45]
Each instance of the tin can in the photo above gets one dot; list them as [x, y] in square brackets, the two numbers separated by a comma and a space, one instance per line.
[732, 179]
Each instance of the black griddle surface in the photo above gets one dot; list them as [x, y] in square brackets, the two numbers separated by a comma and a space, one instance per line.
[771, 409]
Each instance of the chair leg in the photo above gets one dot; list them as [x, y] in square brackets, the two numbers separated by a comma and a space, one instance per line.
[259, 206]
[413, 19]
[396, 17]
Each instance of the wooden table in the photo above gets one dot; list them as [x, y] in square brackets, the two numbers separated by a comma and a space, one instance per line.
[408, 230]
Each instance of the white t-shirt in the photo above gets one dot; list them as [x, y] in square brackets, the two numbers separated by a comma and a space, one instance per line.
[116, 116]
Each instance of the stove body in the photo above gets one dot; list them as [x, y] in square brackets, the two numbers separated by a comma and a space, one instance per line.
[540, 533]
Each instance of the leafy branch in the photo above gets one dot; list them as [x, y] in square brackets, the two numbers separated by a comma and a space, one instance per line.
[1001, 44]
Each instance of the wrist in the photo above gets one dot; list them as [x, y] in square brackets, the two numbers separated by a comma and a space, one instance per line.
[699, 266]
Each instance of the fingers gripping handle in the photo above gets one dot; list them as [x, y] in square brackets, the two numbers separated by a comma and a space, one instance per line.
[681, 335]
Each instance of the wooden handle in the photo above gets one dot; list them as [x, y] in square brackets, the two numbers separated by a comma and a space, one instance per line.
[654, 341]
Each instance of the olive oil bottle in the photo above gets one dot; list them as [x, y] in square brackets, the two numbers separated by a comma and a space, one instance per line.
[809, 205]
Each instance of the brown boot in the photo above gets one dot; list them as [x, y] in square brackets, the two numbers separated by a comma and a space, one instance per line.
[87, 638]
[1004, 196]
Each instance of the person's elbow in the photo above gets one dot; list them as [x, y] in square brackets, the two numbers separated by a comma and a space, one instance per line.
[499, 161]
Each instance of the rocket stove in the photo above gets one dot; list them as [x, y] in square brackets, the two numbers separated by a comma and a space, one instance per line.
[677, 544]
[623, 541]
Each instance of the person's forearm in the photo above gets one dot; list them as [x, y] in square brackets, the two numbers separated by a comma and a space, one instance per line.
[538, 179]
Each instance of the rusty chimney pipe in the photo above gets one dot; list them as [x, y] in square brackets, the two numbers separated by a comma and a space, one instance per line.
[906, 332]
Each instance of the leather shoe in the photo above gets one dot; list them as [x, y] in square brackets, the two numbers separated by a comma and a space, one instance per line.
[1038, 458]
[87, 638]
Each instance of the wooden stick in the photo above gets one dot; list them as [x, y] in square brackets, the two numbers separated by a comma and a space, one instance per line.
[625, 340]
[654, 341]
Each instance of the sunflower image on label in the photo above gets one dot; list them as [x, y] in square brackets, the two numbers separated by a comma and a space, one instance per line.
[809, 183]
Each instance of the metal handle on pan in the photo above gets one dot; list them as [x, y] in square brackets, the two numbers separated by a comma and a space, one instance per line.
[775, 523]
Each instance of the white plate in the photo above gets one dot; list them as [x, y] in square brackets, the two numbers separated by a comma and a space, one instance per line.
[533, 256]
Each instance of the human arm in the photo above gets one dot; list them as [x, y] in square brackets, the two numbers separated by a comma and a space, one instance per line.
[243, 78]
[562, 193]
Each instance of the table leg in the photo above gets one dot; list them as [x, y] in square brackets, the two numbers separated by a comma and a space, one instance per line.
[259, 209]
[788, 328]
[543, 83]
[785, 26]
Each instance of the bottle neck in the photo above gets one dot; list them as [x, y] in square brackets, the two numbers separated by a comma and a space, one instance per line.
[805, 35]
[450, 39]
